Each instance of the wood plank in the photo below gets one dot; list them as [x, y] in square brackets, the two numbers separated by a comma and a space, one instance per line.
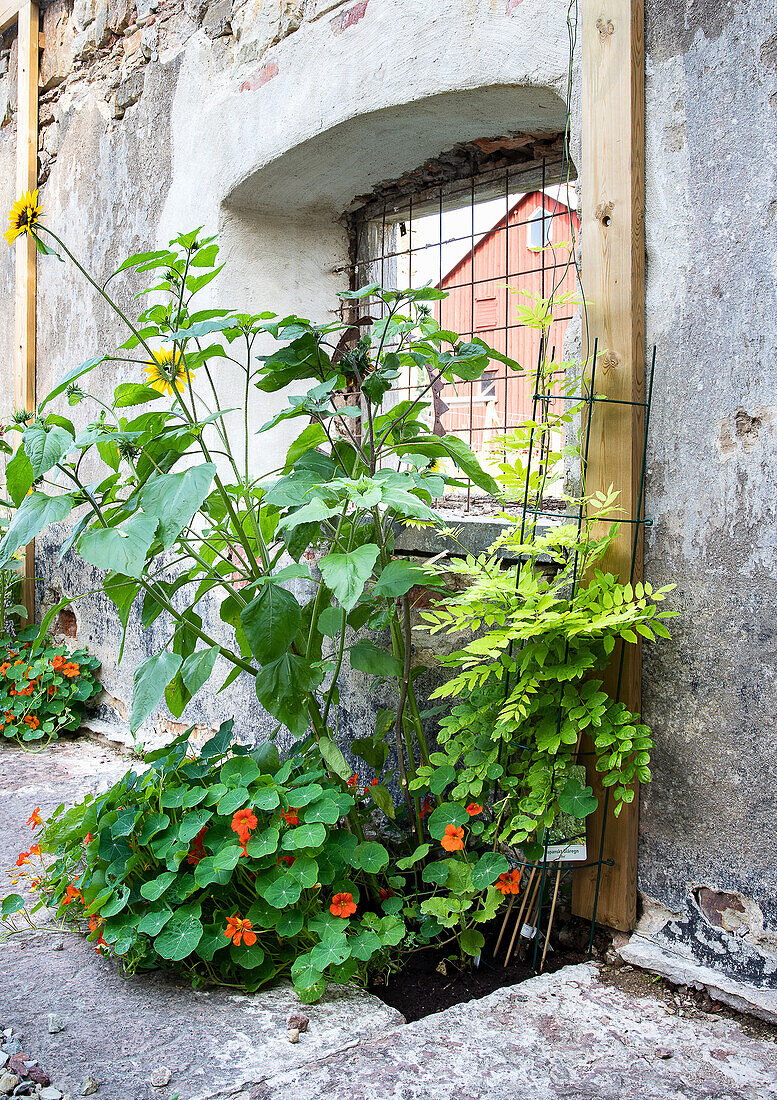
[25, 291]
[8, 13]
[613, 248]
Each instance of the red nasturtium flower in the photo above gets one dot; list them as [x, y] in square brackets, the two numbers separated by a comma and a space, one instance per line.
[288, 860]
[238, 929]
[509, 882]
[426, 806]
[353, 781]
[72, 894]
[453, 839]
[24, 857]
[342, 905]
[58, 662]
[474, 809]
[291, 816]
[197, 851]
[35, 850]
[88, 839]
[242, 824]
[35, 818]
[71, 669]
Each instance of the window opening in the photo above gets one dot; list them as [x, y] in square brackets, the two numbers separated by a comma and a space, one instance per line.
[473, 235]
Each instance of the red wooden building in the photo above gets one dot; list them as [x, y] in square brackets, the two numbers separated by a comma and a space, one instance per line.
[527, 252]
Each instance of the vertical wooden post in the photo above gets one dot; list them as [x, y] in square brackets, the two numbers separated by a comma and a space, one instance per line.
[26, 180]
[613, 249]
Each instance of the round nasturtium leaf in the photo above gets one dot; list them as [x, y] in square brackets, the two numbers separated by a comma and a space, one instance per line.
[449, 813]
[309, 835]
[284, 891]
[179, 937]
[370, 856]
[332, 951]
[304, 974]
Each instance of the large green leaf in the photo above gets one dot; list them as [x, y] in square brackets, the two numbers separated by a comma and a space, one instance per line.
[450, 446]
[271, 621]
[45, 447]
[36, 512]
[149, 682]
[19, 477]
[153, 921]
[133, 393]
[155, 887]
[369, 658]
[333, 758]
[281, 687]
[11, 903]
[347, 574]
[174, 498]
[399, 577]
[449, 813]
[120, 549]
[304, 974]
[197, 668]
[179, 937]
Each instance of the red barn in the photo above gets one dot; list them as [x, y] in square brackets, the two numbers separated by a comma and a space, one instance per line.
[527, 252]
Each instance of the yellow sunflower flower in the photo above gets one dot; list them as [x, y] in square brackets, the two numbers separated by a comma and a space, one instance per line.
[23, 215]
[164, 376]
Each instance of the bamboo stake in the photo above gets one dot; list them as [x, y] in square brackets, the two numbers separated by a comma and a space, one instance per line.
[519, 922]
[504, 923]
[550, 918]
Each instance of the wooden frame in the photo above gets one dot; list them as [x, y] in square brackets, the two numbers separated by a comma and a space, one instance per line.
[613, 248]
[26, 14]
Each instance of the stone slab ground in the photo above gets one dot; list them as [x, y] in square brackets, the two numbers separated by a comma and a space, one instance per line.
[574, 1034]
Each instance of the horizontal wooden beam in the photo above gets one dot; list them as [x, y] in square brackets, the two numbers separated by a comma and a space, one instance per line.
[9, 11]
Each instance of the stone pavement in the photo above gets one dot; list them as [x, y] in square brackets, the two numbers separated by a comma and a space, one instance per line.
[571, 1035]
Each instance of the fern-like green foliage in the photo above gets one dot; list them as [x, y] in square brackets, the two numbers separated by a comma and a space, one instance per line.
[526, 684]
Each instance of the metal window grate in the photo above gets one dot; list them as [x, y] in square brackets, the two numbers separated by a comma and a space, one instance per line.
[476, 238]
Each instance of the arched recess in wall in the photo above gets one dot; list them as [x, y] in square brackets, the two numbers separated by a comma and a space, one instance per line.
[325, 172]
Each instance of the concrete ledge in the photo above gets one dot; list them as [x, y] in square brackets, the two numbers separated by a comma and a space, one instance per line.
[643, 951]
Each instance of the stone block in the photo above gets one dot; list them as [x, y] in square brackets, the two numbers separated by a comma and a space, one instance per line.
[218, 19]
[129, 91]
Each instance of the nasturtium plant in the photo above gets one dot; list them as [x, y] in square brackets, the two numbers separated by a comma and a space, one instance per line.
[44, 688]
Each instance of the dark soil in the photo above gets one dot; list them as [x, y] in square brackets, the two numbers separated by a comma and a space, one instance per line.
[434, 979]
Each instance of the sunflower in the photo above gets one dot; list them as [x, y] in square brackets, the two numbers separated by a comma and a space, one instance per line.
[23, 215]
[164, 376]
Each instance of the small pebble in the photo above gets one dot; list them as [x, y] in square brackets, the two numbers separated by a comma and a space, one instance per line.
[161, 1077]
[50, 1093]
[300, 1022]
[58, 946]
[4, 1060]
[293, 1034]
[24, 1089]
[89, 1085]
[56, 1023]
[8, 1082]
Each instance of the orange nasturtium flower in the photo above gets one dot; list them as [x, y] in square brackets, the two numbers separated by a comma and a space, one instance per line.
[238, 929]
[58, 662]
[453, 839]
[509, 882]
[474, 808]
[426, 806]
[4, 667]
[32, 721]
[353, 781]
[96, 922]
[35, 850]
[35, 818]
[72, 894]
[24, 857]
[243, 822]
[290, 816]
[71, 669]
[342, 905]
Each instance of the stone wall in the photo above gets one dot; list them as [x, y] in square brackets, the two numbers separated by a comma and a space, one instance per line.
[262, 120]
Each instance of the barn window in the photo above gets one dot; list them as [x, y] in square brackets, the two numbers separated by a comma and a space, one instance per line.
[466, 223]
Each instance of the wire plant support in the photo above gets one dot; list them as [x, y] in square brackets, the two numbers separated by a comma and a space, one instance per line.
[537, 875]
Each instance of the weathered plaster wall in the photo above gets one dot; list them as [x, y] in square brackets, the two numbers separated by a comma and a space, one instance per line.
[711, 695]
[261, 120]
